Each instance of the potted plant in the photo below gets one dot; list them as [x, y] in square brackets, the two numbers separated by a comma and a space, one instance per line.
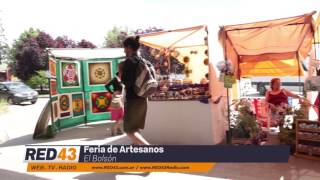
[287, 134]
[244, 124]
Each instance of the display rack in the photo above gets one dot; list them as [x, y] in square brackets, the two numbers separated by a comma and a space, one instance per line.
[308, 139]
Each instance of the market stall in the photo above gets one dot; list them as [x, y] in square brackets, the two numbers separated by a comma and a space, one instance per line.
[77, 79]
[269, 48]
[273, 47]
[308, 130]
[180, 112]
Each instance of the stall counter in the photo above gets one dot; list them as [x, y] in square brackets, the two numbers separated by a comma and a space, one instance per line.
[179, 122]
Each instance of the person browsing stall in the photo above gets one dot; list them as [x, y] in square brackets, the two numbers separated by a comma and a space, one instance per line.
[135, 108]
[117, 110]
[277, 96]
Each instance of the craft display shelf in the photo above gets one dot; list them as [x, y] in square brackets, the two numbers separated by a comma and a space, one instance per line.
[308, 139]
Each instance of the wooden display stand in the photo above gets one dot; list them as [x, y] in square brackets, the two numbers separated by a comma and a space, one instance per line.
[308, 139]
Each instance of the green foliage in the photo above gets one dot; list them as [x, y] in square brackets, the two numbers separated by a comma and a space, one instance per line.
[38, 80]
[30, 33]
[115, 37]
[245, 125]
[28, 54]
[26, 57]
[4, 48]
[287, 134]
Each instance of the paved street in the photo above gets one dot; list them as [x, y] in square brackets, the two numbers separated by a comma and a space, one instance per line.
[21, 119]
[19, 124]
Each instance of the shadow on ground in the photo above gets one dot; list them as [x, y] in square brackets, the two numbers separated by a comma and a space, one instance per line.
[90, 132]
[111, 176]
[297, 168]
[5, 174]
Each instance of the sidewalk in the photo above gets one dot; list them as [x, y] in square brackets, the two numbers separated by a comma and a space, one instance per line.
[20, 133]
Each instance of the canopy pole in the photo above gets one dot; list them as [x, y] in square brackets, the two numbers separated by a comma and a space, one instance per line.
[299, 73]
[298, 59]
[229, 131]
[239, 75]
[315, 35]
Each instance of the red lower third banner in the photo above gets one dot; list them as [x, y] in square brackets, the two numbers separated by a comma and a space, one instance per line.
[120, 167]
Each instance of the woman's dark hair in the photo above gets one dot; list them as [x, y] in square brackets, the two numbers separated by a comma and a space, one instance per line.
[132, 42]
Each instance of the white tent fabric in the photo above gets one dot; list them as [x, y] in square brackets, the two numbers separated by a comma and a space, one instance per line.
[189, 42]
[86, 53]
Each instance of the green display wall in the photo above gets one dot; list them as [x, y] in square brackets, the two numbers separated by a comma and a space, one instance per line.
[77, 90]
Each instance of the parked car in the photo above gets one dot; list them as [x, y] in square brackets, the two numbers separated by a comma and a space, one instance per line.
[17, 92]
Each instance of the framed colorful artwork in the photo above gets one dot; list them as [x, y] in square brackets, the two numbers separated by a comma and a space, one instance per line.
[55, 110]
[78, 104]
[65, 105]
[53, 87]
[100, 102]
[52, 67]
[99, 72]
[70, 74]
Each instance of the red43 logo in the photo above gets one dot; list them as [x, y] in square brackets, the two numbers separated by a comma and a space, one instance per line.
[57, 153]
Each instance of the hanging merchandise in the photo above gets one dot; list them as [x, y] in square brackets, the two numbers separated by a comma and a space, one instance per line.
[52, 68]
[186, 59]
[77, 104]
[174, 54]
[75, 75]
[206, 41]
[64, 102]
[194, 52]
[206, 52]
[53, 87]
[226, 73]
[221, 77]
[65, 105]
[165, 63]
[225, 67]
[99, 73]
[153, 52]
[100, 101]
[55, 110]
[157, 57]
[70, 74]
[162, 51]
[167, 53]
[312, 83]
[314, 63]
[188, 72]
[228, 81]
[206, 61]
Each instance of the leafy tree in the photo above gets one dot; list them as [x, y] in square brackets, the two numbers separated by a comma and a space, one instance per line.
[147, 31]
[38, 80]
[45, 40]
[28, 54]
[115, 37]
[85, 44]
[64, 42]
[4, 48]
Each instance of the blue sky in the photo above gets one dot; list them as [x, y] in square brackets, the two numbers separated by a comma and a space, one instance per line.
[91, 19]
